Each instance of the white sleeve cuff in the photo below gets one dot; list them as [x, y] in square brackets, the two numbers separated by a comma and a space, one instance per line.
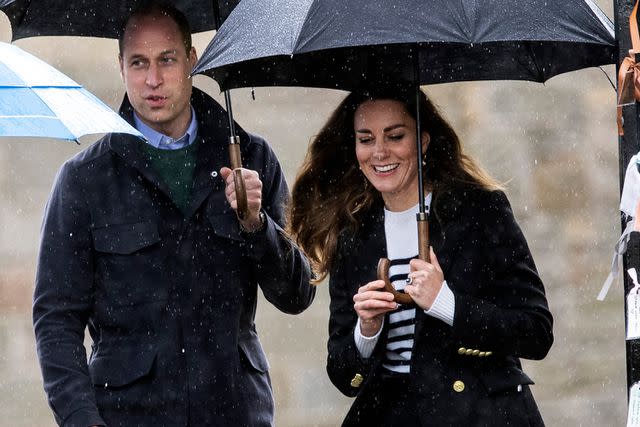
[365, 345]
[444, 306]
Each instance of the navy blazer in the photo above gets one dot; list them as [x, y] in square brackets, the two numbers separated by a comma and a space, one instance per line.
[468, 374]
[169, 299]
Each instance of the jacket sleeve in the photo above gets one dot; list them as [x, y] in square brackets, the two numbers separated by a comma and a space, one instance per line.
[509, 315]
[344, 360]
[282, 270]
[62, 302]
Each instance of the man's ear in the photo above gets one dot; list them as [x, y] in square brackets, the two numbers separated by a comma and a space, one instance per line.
[193, 57]
[121, 61]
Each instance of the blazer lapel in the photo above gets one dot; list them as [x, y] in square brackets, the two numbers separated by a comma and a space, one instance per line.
[446, 230]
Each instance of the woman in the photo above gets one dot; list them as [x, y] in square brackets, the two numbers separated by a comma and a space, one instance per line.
[453, 357]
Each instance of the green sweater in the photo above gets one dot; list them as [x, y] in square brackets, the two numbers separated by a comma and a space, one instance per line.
[176, 169]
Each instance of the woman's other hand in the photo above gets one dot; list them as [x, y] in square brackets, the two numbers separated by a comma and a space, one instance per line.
[371, 303]
[425, 281]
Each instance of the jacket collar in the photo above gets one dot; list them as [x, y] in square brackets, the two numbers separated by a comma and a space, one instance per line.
[445, 229]
[213, 135]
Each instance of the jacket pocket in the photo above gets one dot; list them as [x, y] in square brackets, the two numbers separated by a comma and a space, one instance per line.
[251, 352]
[225, 226]
[502, 381]
[121, 369]
[125, 239]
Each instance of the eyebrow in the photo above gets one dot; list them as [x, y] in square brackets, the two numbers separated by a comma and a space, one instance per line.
[387, 129]
[142, 56]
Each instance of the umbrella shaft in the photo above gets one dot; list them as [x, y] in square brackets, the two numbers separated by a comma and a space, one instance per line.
[419, 152]
[232, 125]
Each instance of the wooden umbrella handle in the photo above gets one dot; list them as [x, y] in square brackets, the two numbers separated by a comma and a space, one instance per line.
[383, 274]
[423, 254]
[238, 179]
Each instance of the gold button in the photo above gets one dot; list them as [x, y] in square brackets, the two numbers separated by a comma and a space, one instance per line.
[469, 351]
[356, 381]
[488, 353]
[461, 350]
[458, 386]
[476, 352]
[482, 354]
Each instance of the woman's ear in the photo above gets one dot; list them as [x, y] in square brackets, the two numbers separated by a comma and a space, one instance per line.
[426, 138]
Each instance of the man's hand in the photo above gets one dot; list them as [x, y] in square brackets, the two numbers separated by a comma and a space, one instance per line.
[371, 303]
[253, 186]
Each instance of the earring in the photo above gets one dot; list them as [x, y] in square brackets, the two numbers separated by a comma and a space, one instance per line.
[424, 162]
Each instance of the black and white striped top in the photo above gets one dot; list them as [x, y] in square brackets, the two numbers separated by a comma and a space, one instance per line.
[402, 246]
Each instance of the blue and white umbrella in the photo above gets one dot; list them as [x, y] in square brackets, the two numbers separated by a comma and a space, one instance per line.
[36, 100]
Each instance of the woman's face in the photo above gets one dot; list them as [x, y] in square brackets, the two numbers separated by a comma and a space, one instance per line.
[386, 151]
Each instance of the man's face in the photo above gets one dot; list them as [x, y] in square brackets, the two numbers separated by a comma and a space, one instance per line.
[155, 70]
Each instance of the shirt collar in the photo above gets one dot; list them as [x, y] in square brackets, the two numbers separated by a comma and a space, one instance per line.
[164, 142]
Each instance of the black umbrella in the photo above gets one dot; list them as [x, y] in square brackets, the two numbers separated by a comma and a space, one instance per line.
[95, 18]
[357, 44]
[99, 18]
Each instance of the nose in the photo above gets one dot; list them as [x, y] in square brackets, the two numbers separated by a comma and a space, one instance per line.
[154, 76]
[380, 149]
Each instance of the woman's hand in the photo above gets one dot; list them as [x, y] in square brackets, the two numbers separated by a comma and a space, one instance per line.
[425, 281]
[371, 303]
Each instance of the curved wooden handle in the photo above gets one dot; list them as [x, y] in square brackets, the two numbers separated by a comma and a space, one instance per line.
[383, 274]
[238, 179]
[423, 254]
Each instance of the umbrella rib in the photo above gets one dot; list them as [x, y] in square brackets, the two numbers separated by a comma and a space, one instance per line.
[29, 116]
[40, 87]
[299, 32]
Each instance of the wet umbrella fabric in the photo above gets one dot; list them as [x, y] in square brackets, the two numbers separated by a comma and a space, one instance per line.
[36, 100]
[363, 44]
[98, 18]
[360, 43]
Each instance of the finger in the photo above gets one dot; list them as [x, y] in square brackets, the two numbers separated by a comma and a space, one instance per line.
[374, 284]
[373, 295]
[250, 174]
[225, 172]
[410, 290]
[417, 264]
[374, 305]
[434, 259]
[373, 314]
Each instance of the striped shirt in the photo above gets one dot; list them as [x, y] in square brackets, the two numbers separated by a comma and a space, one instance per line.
[402, 235]
[402, 246]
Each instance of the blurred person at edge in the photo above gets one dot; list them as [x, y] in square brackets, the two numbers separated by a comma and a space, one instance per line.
[452, 359]
[141, 244]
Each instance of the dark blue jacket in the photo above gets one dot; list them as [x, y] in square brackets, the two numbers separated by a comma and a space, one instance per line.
[169, 299]
[466, 374]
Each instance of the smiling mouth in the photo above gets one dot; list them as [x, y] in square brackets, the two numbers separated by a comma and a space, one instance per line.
[386, 168]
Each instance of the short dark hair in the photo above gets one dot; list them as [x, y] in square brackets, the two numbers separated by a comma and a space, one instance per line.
[147, 8]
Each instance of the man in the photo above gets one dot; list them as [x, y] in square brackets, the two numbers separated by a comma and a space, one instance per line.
[141, 244]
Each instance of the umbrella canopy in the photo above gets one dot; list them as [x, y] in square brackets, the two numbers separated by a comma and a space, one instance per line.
[362, 44]
[36, 100]
[359, 43]
[99, 18]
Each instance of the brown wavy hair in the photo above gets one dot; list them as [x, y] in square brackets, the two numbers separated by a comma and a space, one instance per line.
[331, 194]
